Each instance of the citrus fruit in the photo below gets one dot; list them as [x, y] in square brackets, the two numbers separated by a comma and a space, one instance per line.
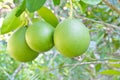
[18, 48]
[39, 36]
[71, 38]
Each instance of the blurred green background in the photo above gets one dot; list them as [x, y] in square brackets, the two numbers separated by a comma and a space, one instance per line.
[99, 62]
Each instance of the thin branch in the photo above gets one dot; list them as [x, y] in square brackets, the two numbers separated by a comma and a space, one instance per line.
[88, 63]
[84, 63]
[52, 59]
[17, 71]
[71, 9]
[101, 22]
[111, 6]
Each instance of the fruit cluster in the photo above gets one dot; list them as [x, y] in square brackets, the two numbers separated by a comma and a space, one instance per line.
[71, 38]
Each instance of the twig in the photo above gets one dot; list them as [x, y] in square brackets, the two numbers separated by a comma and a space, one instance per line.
[111, 6]
[96, 62]
[17, 70]
[85, 63]
[71, 9]
[101, 22]
[52, 59]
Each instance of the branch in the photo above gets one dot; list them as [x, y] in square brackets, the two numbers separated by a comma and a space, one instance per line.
[101, 22]
[84, 63]
[17, 71]
[111, 6]
[88, 63]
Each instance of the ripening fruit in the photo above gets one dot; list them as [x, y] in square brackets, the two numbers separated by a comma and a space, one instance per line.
[39, 36]
[71, 38]
[18, 48]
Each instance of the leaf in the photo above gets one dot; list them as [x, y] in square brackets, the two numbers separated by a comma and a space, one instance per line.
[21, 8]
[61, 65]
[11, 22]
[83, 6]
[115, 65]
[33, 5]
[116, 42]
[56, 2]
[98, 67]
[48, 16]
[35, 20]
[110, 72]
[92, 2]
[43, 68]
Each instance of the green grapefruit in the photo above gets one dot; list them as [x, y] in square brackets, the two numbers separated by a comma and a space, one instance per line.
[71, 38]
[39, 36]
[18, 48]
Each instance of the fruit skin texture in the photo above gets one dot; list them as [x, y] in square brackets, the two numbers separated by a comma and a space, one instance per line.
[18, 48]
[39, 36]
[71, 38]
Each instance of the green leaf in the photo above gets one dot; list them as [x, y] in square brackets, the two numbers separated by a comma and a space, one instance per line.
[43, 68]
[61, 65]
[83, 6]
[48, 16]
[98, 67]
[11, 22]
[115, 65]
[116, 42]
[92, 2]
[21, 8]
[33, 5]
[35, 19]
[56, 2]
[110, 72]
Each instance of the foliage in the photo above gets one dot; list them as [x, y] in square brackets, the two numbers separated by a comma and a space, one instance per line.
[99, 62]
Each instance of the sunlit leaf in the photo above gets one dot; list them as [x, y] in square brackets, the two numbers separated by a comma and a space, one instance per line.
[92, 2]
[44, 68]
[10, 22]
[48, 16]
[115, 65]
[35, 20]
[110, 72]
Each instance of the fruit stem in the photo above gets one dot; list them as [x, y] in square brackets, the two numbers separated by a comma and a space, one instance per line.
[71, 9]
